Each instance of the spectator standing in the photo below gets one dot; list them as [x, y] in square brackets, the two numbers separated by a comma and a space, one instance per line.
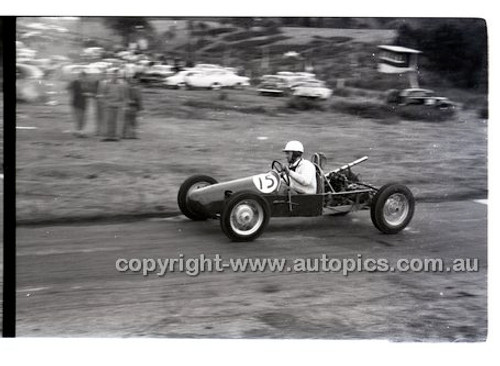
[79, 91]
[114, 95]
[133, 107]
[100, 106]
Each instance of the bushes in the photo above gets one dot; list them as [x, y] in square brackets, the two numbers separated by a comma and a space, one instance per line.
[305, 104]
[364, 109]
[220, 105]
[384, 111]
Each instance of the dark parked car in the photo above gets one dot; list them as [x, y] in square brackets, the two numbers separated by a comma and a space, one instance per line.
[422, 97]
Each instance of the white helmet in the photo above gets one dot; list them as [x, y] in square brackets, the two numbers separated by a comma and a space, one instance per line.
[294, 146]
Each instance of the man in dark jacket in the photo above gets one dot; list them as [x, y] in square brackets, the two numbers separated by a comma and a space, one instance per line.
[79, 92]
[132, 108]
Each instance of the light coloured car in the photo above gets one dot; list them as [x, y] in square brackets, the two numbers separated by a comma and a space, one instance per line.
[286, 73]
[93, 52]
[101, 65]
[113, 61]
[294, 78]
[207, 67]
[300, 80]
[123, 54]
[306, 74]
[178, 80]
[60, 58]
[313, 89]
[216, 79]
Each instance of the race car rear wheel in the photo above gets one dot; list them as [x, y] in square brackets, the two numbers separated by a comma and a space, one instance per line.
[189, 185]
[392, 208]
[245, 216]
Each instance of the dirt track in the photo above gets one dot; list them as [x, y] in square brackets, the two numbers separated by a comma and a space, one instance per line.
[67, 284]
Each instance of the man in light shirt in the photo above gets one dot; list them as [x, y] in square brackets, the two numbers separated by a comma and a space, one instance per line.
[114, 95]
[302, 172]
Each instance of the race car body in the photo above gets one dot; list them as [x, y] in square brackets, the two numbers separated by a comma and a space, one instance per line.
[244, 206]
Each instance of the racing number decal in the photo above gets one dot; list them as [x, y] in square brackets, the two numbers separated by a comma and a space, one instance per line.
[266, 183]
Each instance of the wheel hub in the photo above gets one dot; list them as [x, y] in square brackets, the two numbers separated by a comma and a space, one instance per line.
[244, 214]
[246, 217]
[396, 209]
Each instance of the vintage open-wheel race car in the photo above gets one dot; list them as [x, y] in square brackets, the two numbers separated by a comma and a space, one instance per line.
[244, 206]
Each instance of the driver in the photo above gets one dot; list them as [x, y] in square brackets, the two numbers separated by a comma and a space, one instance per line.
[302, 172]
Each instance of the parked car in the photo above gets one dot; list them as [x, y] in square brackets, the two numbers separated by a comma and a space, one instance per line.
[156, 74]
[306, 74]
[301, 80]
[423, 97]
[93, 52]
[273, 85]
[178, 80]
[113, 61]
[215, 79]
[207, 67]
[313, 89]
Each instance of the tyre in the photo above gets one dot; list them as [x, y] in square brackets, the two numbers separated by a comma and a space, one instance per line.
[189, 185]
[392, 208]
[215, 86]
[245, 216]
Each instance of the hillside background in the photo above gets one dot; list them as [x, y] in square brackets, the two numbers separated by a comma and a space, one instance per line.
[454, 50]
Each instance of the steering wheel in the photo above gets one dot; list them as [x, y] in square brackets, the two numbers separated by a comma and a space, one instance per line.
[278, 167]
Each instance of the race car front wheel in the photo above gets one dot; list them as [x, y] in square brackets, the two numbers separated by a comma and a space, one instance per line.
[189, 185]
[245, 216]
[392, 208]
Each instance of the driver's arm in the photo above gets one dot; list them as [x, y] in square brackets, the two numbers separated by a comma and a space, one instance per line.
[306, 178]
